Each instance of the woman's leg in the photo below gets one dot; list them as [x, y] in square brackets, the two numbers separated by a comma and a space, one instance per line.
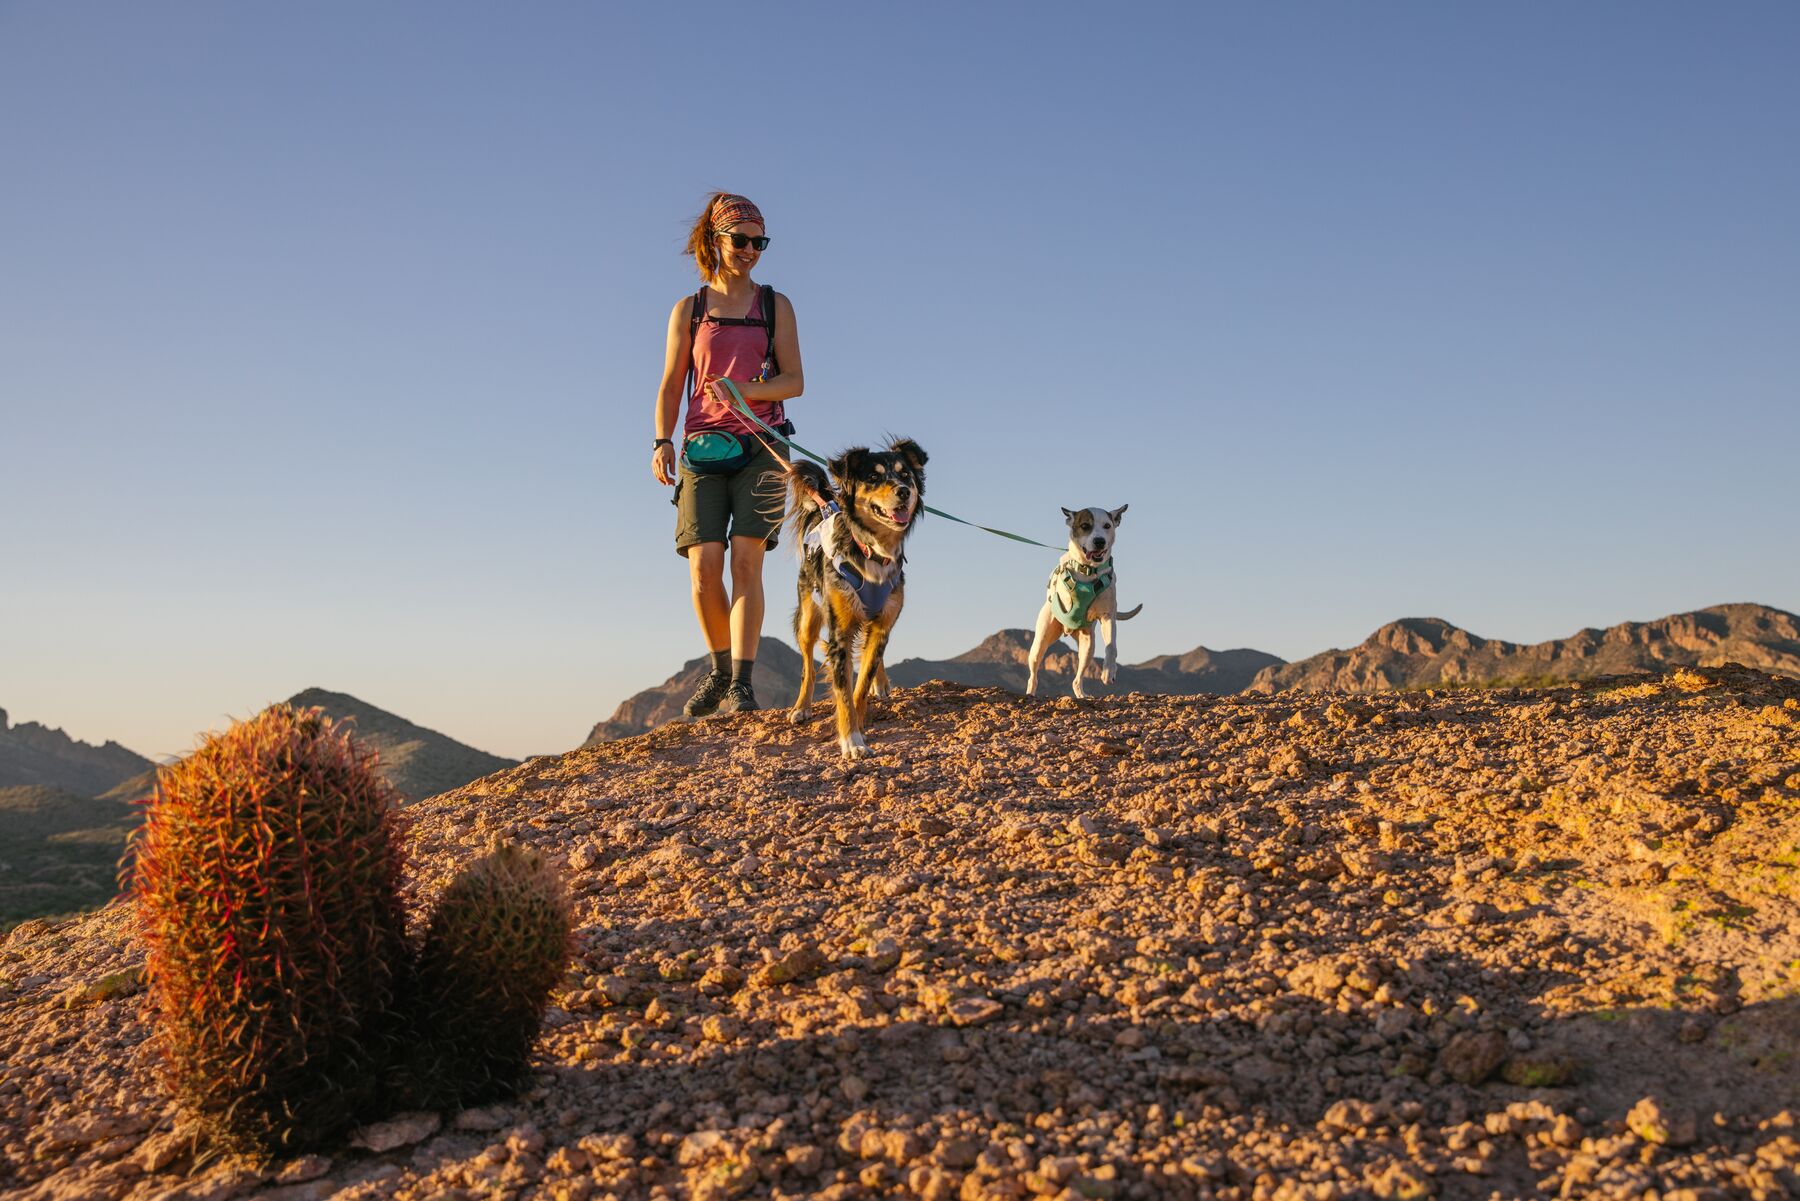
[706, 573]
[746, 595]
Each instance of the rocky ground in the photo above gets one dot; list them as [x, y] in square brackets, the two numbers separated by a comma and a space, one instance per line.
[1454, 944]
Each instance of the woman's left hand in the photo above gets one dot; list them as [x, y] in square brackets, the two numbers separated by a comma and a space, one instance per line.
[715, 385]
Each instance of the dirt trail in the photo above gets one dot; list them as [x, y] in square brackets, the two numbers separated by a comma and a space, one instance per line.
[1455, 944]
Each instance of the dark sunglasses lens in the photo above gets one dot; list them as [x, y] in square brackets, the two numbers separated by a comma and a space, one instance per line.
[739, 241]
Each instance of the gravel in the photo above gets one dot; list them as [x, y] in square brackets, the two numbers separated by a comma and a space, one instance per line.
[1311, 945]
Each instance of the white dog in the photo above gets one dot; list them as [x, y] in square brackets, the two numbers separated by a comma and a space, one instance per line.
[1082, 594]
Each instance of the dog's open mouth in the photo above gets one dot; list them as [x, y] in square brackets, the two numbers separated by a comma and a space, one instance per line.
[1094, 556]
[898, 518]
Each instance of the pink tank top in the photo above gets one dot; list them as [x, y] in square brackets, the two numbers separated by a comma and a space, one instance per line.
[737, 352]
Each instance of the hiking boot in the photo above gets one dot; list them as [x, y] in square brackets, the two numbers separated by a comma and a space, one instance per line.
[706, 698]
[739, 698]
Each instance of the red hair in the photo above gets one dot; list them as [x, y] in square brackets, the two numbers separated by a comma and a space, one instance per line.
[721, 211]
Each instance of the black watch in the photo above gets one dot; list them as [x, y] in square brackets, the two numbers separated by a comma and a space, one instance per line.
[662, 442]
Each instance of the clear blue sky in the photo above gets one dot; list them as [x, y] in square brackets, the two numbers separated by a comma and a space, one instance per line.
[329, 333]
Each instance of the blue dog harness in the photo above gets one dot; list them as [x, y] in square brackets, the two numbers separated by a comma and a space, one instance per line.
[1073, 592]
[871, 594]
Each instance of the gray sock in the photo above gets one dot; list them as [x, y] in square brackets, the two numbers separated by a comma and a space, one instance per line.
[742, 669]
[721, 661]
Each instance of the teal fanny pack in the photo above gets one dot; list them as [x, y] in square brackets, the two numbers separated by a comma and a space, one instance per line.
[716, 452]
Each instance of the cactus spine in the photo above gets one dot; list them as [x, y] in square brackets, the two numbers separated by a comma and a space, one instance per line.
[268, 886]
[288, 1002]
[497, 943]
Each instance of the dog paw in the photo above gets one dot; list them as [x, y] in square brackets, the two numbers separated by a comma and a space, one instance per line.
[854, 747]
[1108, 675]
[800, 717]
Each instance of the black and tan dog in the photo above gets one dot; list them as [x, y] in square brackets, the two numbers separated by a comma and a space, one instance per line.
[852, 572]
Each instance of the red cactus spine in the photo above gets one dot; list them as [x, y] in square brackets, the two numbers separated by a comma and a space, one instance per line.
[268, 886]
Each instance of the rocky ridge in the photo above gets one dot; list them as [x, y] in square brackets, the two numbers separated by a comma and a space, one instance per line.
[36, 755]
[1427, 652]
[1485, 943]
[1001, 661]
[1414, 652]
[997, 662]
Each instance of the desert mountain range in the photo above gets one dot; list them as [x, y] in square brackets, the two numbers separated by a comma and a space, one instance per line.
[35, 754]
[1426, 652]
[1414, 652]
[66, 806]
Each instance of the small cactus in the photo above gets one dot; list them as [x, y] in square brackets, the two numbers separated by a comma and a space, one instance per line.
[268, 884]
[288, 1002]
[498, 940]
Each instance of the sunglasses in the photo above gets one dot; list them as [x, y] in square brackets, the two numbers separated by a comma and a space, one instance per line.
[739, 241]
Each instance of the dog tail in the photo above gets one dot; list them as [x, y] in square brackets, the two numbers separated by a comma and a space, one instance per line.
[806, 484]
[1130, 615]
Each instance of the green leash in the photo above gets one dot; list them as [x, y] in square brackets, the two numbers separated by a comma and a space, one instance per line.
[795, 446]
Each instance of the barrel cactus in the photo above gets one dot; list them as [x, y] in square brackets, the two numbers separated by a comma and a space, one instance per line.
[497, 942]
[268, 885]
[288, 1001]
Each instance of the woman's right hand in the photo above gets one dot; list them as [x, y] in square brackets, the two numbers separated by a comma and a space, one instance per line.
[662, 464]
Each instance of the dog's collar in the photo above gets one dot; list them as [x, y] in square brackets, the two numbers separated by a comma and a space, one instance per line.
[868, 551]
[1074, 563]
[826, 527]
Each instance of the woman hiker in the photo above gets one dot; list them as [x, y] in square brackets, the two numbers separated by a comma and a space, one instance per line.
[730, 494]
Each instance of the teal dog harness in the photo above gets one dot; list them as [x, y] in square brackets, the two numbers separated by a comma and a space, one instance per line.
[1073, 592]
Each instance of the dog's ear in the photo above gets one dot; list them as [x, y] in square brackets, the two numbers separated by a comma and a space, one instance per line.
[1119, 513]
[847, 465]
[1069, 516]
[912, 452]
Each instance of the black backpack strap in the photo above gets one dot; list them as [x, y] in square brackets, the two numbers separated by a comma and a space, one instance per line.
[695, 312]
[768, 315]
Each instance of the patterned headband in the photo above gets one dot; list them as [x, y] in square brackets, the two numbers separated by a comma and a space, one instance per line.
[729, 210]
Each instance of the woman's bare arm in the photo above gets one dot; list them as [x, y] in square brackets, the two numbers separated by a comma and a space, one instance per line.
[668, 396]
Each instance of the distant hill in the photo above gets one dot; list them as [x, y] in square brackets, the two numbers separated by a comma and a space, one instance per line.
[59, 852]
[998, 662]
[33, 754]
[416, 761]
[1423, 652]
[59, 848]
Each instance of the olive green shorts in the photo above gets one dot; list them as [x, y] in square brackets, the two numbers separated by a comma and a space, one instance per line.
[748, 503]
